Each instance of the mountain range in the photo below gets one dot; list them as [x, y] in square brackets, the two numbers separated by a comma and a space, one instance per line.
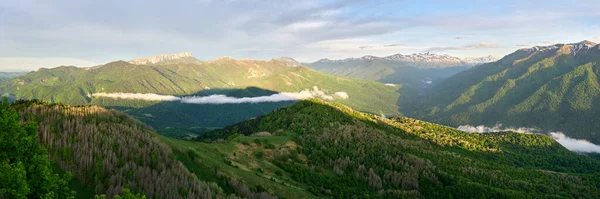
[552, 88]
[181, 75]
[228, 128]
[417, 70]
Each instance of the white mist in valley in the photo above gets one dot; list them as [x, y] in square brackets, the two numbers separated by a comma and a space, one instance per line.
[223, 99]
[137, 96]
[575, 144]
[569, 143]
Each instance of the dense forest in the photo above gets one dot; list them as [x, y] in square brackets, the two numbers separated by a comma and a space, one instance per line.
[109, 151]
[334, 151]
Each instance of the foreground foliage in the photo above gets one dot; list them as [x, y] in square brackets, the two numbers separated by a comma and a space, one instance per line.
[25, 169]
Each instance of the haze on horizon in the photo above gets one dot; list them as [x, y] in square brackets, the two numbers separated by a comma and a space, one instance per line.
[36, 34]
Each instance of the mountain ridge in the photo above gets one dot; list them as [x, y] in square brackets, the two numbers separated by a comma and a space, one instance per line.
[72, 85]
[160, 58]
[554, 88]
[427, 57]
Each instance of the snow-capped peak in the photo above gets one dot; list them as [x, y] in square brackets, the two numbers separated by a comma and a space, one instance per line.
[480, 60]
[584, 45]
[424, 57]
[160, 58]
[575, 47]
[424, 60]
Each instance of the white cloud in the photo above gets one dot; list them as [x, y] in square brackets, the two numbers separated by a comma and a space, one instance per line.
[482, 45]
[342, 95]
[223, 99]
[569, 143]
[305, 26]
[497, 128]
[138, 96]
[597, 38]
[575, 144]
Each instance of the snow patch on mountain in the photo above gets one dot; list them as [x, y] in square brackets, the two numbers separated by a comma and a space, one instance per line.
[424, 60]
[575, 47]
[160, 58]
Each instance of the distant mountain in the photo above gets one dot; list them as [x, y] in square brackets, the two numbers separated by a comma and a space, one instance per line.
[480, 60]
[554, 88]
[160, 58]
[10, 75]
[176, 75]
[415, 70]
[290, 61]
[327, 150]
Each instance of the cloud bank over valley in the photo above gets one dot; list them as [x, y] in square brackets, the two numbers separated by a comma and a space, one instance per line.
[223, 99]
[572, 144]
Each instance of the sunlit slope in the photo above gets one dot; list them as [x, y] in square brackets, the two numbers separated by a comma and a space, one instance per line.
[73, 85]
[330, 150]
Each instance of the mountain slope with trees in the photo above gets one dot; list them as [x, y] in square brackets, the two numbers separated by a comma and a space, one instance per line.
[187, 76]
[330, 150]
[554, 88]
[109, 152]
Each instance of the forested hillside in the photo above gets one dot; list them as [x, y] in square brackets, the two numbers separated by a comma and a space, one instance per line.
[330, 150]
[107, 151]
[554, 88]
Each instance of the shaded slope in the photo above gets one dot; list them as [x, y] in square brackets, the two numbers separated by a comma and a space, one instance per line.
[335, 151]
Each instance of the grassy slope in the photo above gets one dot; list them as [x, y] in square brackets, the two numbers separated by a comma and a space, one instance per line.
[442, 161]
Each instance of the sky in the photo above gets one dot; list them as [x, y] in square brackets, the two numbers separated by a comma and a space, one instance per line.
[46, 33]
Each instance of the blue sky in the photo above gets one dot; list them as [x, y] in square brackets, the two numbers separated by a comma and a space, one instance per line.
[47, 33]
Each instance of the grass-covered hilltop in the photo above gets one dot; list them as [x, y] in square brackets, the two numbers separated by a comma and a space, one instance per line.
[311, 149]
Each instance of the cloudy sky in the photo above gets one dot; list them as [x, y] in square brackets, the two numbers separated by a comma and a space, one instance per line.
[46, 33]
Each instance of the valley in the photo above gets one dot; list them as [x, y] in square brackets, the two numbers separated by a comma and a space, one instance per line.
[299, 99]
